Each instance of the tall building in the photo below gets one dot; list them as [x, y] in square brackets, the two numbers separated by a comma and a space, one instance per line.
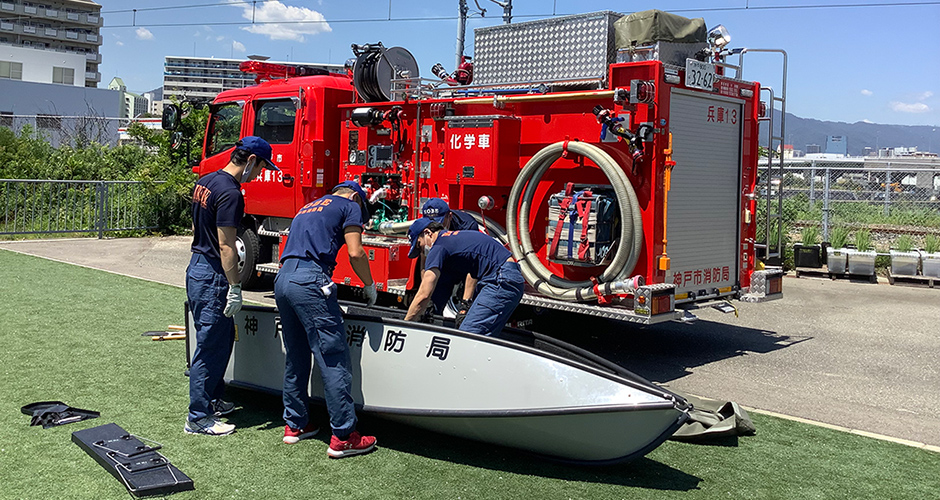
[836, 145]
[132, 105]
[204, 78]
[56, 41]
[155, 101]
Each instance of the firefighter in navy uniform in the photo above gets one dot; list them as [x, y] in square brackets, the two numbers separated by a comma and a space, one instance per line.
[438, 211]
[455, 253]
[311, 319]
[212, 282]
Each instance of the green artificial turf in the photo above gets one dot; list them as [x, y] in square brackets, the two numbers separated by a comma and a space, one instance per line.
[74, 334]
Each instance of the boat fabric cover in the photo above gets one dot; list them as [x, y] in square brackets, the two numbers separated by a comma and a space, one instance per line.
[137, 465]
[649, 26]
[53, 413]
[710, 419]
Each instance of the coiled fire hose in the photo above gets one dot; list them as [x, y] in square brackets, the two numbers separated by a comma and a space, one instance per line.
[614, 279]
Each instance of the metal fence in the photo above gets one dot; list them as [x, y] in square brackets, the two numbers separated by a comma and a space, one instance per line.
[51, 206]
[886, 198]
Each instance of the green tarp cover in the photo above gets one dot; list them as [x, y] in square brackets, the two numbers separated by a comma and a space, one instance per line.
[650, 26]
[710, 419]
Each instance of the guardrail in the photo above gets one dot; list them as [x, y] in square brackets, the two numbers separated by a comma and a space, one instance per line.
[52, 206]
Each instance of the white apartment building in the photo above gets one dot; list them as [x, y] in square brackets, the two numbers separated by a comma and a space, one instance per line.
[203, 78]
[132, 105]
[50, 41]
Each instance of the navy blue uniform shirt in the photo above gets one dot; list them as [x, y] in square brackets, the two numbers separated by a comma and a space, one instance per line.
[457, 253]
[318, 230]
[217, 202]
[462, 221]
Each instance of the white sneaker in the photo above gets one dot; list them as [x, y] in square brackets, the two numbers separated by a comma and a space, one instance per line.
[220, 407]
[210, 426]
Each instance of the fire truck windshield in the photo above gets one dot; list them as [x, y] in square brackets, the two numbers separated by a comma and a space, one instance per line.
[225, 125]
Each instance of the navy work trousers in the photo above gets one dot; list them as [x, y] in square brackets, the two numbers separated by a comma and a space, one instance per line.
[206, 289]
[311, 321]
[497, 298]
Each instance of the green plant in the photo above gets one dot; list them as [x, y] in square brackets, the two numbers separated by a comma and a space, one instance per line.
[932, 243]
[809, 235]
[839, 236]
[863, 240]
[904, 243]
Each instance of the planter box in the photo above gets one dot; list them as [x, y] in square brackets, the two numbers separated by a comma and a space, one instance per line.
[836, 260]
[807, 256]
[861, 262]
[931, 264]
[904, 263]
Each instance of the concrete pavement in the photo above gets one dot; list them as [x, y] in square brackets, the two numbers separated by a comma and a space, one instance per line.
[855, 355]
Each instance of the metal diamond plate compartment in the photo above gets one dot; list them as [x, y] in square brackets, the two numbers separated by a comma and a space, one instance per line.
[569, 47]
[759, 286]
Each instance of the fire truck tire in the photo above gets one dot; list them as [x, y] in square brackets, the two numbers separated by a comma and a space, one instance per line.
[248, 246]
[520, 242]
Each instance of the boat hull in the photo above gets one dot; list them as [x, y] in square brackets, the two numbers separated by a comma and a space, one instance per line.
[555, 402]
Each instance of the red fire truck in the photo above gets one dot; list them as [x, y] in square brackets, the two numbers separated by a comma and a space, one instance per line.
[619, 166]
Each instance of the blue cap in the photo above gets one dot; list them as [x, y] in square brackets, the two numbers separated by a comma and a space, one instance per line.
[417, 227]
[258, 147]
[435, 209]
[362, 196]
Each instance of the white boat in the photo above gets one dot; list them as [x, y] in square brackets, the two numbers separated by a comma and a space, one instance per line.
[523, 390]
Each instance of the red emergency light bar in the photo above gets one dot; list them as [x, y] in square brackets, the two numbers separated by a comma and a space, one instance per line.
[269, 71]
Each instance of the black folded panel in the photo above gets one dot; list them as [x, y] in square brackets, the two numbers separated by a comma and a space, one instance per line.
[135, 463]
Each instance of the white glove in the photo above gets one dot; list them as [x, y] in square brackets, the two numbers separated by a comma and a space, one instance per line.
[371, 294]
[233, 301]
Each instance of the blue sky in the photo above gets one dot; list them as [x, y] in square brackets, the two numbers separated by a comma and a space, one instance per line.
[877, 63]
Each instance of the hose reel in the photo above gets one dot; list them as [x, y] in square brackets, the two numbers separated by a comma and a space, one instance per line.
[614, 279]
[376, 66]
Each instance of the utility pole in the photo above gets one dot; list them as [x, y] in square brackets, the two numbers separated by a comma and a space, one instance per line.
[507, 10]
[462, 23]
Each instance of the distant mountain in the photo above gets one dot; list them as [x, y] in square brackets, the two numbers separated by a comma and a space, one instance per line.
[858, 136]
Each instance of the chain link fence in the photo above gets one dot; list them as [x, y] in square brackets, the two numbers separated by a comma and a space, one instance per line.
[886, 198]
[53, 207]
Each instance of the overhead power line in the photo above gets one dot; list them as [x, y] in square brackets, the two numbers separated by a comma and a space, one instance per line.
[179, 7]
[746, 7]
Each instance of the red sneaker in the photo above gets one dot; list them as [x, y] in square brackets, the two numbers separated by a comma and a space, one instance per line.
[292, 436]
[355, 444]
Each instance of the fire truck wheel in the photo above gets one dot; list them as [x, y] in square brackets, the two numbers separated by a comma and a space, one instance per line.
[248, 246]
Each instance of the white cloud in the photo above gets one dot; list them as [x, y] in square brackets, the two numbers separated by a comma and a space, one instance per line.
[867, 92]
[144, 34]
[219, 38]
[917, 107]
[238, 46]
[866, 120]
[119, 43]
[923, 96]
[283, 22]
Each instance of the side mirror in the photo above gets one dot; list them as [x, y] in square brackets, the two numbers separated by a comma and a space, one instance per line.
[171, 117]
[176, 139]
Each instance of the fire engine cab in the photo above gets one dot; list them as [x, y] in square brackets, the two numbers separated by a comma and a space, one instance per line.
[615, 155]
